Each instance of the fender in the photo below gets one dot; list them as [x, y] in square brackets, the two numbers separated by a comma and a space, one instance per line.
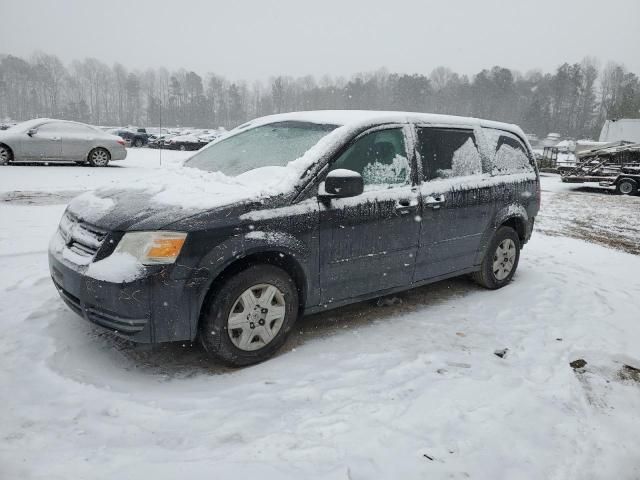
[234, 249]
[503, 215]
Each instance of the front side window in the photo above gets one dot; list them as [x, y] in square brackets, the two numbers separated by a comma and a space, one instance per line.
[380, 157]
[448, 153]
[271, 145]
[509, 154]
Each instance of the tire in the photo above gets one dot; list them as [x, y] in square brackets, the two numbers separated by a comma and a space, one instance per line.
[500, 261]
[627, 186]
[138, 142]
[6, 155]
[182, 148]
[99, 157]
[257, 337]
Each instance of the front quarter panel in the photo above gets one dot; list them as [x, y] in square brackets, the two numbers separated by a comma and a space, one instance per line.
[14, 143]
[289, 231]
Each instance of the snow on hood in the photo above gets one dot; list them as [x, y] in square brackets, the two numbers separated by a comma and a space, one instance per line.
[181, 188]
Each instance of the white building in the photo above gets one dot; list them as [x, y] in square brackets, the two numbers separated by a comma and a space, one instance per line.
[627, 129]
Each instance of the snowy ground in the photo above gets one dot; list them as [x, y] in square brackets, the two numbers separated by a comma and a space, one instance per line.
[590, 212]
[407, 391]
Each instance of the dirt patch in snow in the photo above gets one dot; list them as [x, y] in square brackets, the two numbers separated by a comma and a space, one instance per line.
[591, 214]
[26, 197]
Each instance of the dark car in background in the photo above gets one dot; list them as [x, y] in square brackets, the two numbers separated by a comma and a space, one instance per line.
[134, 138]
[159, 140]
[362, 204]
[184, 142]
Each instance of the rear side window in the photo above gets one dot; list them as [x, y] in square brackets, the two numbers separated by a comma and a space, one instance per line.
[448, 153]
[509, 155]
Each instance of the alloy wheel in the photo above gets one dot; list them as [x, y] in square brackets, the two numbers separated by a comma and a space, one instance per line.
[504, 259]
[100, 158]
[256, 317]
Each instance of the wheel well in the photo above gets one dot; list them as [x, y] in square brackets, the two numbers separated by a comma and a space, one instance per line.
[518, 225]
[8, 147]
[279, 259]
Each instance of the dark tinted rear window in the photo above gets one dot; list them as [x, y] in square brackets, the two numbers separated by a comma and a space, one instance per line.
[448, 153]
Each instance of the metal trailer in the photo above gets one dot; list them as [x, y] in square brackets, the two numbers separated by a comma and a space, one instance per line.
[617, 165]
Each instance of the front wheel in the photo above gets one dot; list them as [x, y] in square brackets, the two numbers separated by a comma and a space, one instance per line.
[249, 317]
[627, 186]
[501, 259]
[138, 143]
[99, 157]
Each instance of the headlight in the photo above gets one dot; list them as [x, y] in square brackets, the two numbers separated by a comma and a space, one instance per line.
[152, 248]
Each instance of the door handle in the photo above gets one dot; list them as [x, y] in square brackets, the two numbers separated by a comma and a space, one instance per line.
[55, 138]
[434, 202]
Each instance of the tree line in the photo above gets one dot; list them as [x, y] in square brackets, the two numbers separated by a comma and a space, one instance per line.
[574, 100]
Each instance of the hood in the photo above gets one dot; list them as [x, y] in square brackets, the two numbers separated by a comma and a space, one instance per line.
[159, 201]
[126, 209]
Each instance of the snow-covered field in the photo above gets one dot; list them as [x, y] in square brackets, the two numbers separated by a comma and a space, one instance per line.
[364, 392]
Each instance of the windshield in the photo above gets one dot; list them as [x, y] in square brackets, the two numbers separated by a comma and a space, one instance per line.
[28, 125]
[275, 144]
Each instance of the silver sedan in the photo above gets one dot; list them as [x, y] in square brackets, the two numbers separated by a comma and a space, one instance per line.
[49, 140]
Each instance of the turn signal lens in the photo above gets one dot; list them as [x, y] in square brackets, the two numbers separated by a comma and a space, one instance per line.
[165, 248]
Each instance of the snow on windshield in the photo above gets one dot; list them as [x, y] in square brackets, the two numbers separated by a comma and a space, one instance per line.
[29, 124]
[269, 145]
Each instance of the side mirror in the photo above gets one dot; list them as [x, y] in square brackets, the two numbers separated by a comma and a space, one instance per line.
[32, 132]
[342, 183]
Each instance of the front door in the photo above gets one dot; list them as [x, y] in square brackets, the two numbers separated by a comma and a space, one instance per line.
[457, 201]
[45, 143]
[368, 243]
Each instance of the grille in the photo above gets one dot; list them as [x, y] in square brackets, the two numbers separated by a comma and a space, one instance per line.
[80, 237]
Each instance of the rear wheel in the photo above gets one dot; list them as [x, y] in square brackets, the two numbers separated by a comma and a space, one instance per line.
[501, 260]
[182, 148]
[6, 155]
[249, 317]
[99, 157]
[627, 186]
[138, 142]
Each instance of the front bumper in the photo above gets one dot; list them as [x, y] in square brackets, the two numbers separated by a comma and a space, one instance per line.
[152, 309]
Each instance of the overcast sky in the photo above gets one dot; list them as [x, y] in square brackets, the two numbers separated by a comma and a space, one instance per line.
[254, 39]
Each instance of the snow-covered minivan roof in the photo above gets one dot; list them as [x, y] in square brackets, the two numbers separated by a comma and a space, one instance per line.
[356, 118]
